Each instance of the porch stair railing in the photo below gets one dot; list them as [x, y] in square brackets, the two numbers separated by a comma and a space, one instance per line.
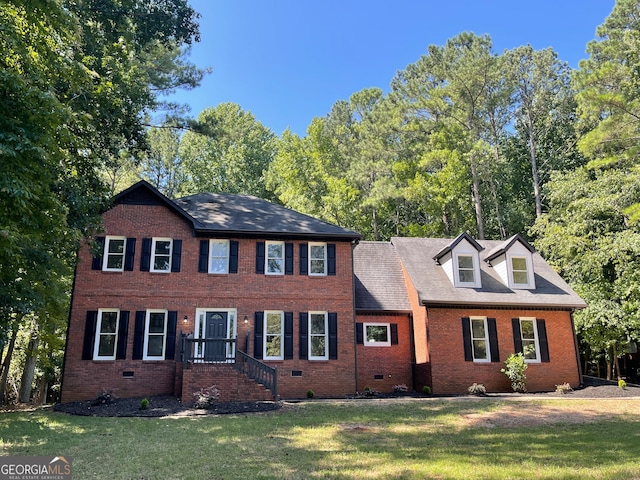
[209, 350]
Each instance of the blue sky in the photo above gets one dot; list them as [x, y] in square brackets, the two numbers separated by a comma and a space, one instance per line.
[287, 61]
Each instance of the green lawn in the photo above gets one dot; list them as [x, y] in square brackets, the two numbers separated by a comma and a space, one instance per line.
[414, 439]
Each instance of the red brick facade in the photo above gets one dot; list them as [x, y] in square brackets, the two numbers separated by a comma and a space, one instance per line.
[245, 292]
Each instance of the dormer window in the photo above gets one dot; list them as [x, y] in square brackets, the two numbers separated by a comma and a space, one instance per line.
[512, 260]
[519, 271]
[461, 262]
[466, 269]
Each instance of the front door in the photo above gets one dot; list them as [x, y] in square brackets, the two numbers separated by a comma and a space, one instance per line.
[216, 328]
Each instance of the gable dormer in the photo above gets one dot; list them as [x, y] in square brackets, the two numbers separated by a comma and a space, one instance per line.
[513, 262]
[461, 261]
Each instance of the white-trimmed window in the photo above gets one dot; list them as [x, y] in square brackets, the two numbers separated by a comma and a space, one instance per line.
[467, 271]
[273, 335]
[480, 339]
[520, 271]
[318, 259]
[377, 334]
[219, 256]
[155, 335]
[274, 258]
[114, 251]
[318, 336]
[161, 254]
[529, 338]
[106, 334]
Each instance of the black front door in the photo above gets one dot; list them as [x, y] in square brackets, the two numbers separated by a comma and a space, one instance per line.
[216, 328]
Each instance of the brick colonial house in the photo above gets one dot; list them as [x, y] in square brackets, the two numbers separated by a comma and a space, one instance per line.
[263, 301]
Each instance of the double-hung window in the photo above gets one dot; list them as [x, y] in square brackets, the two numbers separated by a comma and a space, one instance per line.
[273, 335]
[219, 256]
[480, 339]
[377, 334]
[519, 271]
[529, 338]
[106, 334]
[318, 336]
[155, 335]
[114, 251]
[274, 258]
[161, 255]
[318, 259]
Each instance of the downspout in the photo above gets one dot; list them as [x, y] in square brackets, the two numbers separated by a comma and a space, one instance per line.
[575, 345]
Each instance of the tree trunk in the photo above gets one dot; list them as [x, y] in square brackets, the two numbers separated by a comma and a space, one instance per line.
[534, 171]
[375, 225]
[26, 381]
[7, 363]
[477, 198]
[616, 363]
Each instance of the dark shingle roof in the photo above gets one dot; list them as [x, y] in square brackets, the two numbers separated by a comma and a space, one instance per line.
[434, 287]
[378, 277]
[244, 214]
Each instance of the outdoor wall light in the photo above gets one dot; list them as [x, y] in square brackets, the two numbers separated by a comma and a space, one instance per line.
[185, 319]
[246, 319]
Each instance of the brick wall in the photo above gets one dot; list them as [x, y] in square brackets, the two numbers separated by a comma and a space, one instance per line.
[451, 374]
[231, 384]
[188, 290]
[392, 363]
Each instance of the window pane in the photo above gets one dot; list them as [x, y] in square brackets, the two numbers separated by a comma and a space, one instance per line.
[108, 323]
[154, 346]
[519, 263]
[273, 346]
[274, 323]
[526, 327]
[220, 249]
[116, 246]
[477, 327]
[156, 323]
[520, 277]
[317, 324]
[466, 276]
[163, 247]
[529, 349]
[274, 251]
[318, 346]
[317, 266]
[161, 263]
[107, 345]
[377, 333]
[218, 265]
[114, 261]
[465, 262]
[317, 252]
[479, 349]
[274, 266]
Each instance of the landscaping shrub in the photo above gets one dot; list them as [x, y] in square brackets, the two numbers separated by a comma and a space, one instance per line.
[514, 370]
[477, 389]
[207, 397]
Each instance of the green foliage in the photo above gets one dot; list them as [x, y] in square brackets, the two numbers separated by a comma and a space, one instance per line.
[564, 388]
[144, 404]
[310, 393]
[426, 390]
[622, 384]
[515, 367]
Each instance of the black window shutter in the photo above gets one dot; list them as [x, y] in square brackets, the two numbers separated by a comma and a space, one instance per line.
[257, 336]
[288, 335]
[138, 335]
[466, 339]
[203, 257]
[333, 336]
[517, 335]
[304, 335]
[96, 262]
[542, 340]
[304, 259]
[145, 256]
[260, 257]
[359, 333]
[233, 256]
[288, 258]
[493, 339]
[176, 255]
[331, 259]
[130, 254]
[123, 335]
[394, 333]
[89, 335]
[170, 349]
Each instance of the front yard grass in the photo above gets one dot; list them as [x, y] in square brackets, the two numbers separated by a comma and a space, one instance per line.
[418, 439]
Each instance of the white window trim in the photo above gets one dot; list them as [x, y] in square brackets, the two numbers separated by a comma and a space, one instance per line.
[376, 344]
[211, 242]
[146, 334]
[486, 339]
[535, 337]
[317, 244]
[476, 270]
[326, 336]
[530, 276]
[264, 335]
[266, 258]
[105, 253]
[96, 343]
[153, 253]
